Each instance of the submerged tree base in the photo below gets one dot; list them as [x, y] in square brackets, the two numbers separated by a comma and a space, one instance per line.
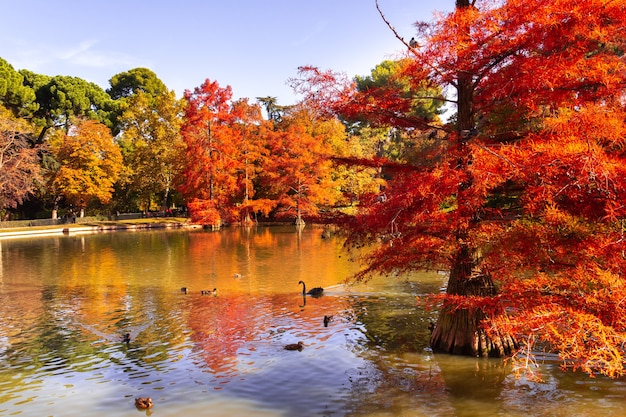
[458, 332]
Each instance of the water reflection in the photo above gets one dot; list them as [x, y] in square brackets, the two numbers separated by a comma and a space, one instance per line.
[66, 302]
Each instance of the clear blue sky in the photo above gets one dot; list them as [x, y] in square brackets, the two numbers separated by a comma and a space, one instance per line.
[253, 46]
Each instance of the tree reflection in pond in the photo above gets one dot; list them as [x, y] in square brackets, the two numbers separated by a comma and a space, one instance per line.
[66, 301]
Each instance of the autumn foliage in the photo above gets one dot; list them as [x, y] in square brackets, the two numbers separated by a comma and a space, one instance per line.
[240, 166]
[216, 155]
[89, 163]
[19, 165]
[152, 148]
[520, 194]
[524, 202]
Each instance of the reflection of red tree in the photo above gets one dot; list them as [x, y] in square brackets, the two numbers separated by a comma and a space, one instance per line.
[220, 328]
[202, 243]
[310, 311]
[223, 326]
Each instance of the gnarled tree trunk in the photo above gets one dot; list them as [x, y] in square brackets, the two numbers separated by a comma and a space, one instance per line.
[458, 329]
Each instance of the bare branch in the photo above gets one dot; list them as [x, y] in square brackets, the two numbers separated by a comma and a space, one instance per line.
[410, 48]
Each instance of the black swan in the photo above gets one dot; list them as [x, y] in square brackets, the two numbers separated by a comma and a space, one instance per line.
[295, 346]
[315, 292]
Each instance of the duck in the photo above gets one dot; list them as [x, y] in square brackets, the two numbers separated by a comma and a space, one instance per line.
[237, 276]
[143, 403]
[295, 346]
[207, 292]
[126, 338]
[315, 292]
[327, 320]
[183, 290]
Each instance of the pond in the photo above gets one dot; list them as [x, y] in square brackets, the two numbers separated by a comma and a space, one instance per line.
[67, 301]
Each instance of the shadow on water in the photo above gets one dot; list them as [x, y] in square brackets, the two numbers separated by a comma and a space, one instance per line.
[65, 304]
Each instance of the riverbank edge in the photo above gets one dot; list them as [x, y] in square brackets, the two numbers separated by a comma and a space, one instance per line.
[94, 228]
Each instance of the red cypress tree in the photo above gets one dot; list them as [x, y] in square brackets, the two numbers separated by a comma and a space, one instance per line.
[207, 131]
[298, 175]
[525, 205]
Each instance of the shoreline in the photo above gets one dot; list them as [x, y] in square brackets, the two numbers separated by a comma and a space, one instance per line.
[92, 228]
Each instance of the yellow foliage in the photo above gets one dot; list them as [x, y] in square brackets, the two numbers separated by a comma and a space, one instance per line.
[90, 163]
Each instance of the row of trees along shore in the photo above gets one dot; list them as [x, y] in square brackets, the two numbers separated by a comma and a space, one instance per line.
[70, 146]
[521, 195]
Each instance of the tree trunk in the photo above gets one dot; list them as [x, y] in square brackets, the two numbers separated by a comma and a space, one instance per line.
[41, 136]
[55, 208]
[166, 203]
[458, 330]
[299, 219]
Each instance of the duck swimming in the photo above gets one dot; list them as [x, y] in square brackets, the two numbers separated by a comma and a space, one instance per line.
[126, 338]
[207, 292]
[143, 403]
[314, 292]
[295, 346]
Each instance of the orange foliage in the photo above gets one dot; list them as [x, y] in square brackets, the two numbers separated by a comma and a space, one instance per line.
[204, 212]
[240, 165]
[532, 177]
[207, 133]
[90, 163]
[298, 174]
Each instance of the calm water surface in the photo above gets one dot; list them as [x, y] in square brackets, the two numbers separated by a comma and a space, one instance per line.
[66, 301]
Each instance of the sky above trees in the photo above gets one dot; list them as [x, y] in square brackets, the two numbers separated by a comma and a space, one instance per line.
[253, 46]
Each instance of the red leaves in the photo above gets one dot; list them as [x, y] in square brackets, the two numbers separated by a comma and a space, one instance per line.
[398, 94]
[239, 165]
[530, 53]
[204, 212]
[576, 163]
[535, 190]
[529, 185]
[322, 90]
[216, 152]
[298, 173]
